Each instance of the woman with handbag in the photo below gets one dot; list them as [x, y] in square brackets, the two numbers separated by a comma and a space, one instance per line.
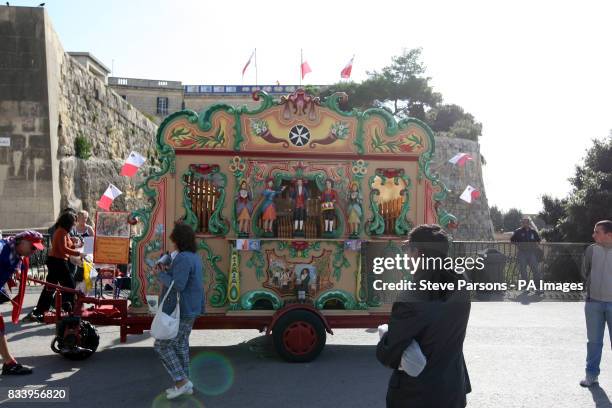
[183, 279]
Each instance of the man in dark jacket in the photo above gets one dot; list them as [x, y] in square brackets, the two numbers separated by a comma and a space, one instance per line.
[437, 320]
[526, 238]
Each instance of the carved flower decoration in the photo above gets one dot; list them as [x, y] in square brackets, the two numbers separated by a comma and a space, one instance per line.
[359, 167]
[237, 164]
[259, 126]
[340, 130]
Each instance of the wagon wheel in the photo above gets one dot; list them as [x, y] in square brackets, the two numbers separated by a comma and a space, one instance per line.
[299, 336]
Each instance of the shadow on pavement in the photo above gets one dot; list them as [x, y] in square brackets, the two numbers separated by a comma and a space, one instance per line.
[247, 374]
[600, 398]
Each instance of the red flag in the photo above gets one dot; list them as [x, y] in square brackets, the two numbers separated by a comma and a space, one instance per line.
[109, 195]
[247, 64]
[469, 194]
[460, 159]
[305, 69]
[346, 71]
[132, 164]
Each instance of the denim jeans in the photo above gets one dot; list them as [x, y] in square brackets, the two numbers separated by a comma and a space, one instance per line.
[529, 258]
[597, 313]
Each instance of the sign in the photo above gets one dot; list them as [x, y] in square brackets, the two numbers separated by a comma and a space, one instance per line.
[112, 240]
[5, 142]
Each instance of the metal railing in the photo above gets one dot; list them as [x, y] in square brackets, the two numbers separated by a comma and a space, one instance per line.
[558, 262]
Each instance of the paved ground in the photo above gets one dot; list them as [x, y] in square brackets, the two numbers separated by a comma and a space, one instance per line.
[517, 355]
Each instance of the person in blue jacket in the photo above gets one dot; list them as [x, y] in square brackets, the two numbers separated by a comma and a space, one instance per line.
[186, 273]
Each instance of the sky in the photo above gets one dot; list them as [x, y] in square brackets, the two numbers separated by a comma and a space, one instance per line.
[536, 74]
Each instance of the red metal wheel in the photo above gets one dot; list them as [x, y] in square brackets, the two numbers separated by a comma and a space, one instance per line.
[300, 338]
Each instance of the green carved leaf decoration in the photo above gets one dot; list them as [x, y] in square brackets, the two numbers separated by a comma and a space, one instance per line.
[339, 261]
[257, 261]
[219, 296]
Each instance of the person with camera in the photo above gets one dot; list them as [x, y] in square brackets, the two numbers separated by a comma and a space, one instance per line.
[184, 274]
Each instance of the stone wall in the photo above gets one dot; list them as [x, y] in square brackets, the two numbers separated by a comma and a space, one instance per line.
[474, 219]
[25, 154]
[81, 105]
[90, 109]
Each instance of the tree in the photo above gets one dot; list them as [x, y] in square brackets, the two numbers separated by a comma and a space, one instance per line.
[400, 86]
[590, 201]
[453, 121]
[497, 218]
[512, 219]
[403, 89]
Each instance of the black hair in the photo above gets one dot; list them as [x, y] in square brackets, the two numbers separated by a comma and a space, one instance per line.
[606, 225]
[430, 240]
[184, 237]
[66, 221]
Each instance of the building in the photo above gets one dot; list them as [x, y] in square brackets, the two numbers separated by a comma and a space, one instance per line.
[92, 64]
[158, 98]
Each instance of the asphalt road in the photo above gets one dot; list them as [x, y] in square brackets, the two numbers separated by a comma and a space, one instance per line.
[517, 355]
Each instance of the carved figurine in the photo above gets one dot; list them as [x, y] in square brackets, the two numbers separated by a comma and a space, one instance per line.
[354, 208]
[244, 209]
[300, 197]
[268, 208]
[328, 205]
[302, 283]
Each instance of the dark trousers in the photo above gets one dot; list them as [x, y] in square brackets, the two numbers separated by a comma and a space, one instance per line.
[59, 271]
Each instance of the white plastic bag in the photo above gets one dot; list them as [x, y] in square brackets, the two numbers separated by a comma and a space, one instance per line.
[164, 326]
[413, 360]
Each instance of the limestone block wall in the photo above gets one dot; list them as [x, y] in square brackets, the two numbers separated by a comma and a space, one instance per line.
[474, 219]
[81, 105]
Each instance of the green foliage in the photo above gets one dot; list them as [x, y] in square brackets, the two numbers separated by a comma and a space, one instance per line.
[82, 147]
[497, 218]
[512, 219]
[453, 121]
[590, 201]
[404, 90]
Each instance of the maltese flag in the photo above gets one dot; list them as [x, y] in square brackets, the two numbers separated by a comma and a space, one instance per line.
[346, 71]
[109, 195]
[469, 194]
[132, 164]
[460, 159]
[305, 69]
[247, 64]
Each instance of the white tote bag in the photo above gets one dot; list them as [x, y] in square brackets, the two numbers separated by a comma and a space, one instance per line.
[164, 326]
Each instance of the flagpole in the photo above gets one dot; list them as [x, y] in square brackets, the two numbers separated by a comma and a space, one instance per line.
[301, 62]
[255, 67]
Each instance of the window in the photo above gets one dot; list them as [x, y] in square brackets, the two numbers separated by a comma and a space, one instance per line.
[246, 89]
[230, 89]
[218, 88]
[162, 105]
[122, 81]
[191, 89]
[205, 88]
[124, 97]
[162, 83]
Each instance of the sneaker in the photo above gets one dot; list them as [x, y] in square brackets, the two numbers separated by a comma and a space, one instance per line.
[183, 390]
[589, 380]
[15, 369]
[171, 389]
[33, 318]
